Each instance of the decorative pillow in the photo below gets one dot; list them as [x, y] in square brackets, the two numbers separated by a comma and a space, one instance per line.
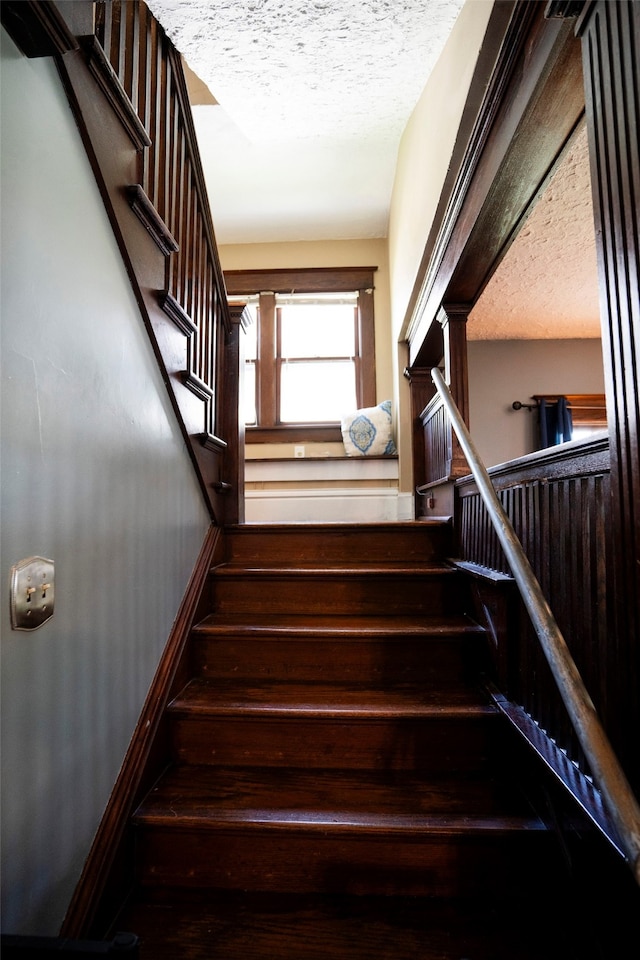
[367, 432]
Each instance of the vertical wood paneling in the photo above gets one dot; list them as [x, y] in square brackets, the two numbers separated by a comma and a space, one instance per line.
[559, 516]
[610, 35]
[437, 442]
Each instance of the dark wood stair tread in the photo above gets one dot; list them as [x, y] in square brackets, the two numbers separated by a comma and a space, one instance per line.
[202, 696]
[336, 801]
[336, 625]
[267, 926]
[333, 569]
[357, 527]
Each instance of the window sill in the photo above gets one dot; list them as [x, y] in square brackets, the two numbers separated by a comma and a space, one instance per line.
[299, 433]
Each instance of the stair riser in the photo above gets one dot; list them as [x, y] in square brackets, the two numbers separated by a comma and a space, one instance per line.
[324, 862]
[333, 545]
[435, 745]
[433, 661]
[341, 594]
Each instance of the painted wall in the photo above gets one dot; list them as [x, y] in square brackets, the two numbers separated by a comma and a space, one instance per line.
[96, 476]
[501, 371]
[425, 153]
[424, 156]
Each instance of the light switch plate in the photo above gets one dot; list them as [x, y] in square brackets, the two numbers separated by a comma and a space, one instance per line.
[32, 593]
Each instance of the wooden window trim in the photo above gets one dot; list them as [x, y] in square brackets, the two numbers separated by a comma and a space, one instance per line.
[306, 280]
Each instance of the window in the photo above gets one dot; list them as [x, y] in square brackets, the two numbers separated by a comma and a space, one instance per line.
[309, 357]
[588, 412]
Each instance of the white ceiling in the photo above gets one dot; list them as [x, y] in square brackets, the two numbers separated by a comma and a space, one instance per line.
[299, 121]
[313, 97]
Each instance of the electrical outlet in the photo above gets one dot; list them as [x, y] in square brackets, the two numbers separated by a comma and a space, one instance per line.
[298, 451]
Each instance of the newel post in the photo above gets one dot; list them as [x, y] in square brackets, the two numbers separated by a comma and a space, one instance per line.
[234, 427]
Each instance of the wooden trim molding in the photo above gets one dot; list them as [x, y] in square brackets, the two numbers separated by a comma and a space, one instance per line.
[115, 93]
[151, 220]
[203, 392]
[174, 311]
[198, 387]
[609, 35]
[139, 766]
[37, 28]
[565, 9]
[536, 87]
[312, 433]
[301, 280]
[211, 442]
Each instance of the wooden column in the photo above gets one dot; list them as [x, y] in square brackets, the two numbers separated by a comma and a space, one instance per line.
[233, 429]
[610, 35]
[453, 320]
[422, 391]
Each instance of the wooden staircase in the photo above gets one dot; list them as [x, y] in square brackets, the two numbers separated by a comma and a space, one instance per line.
[340, 785]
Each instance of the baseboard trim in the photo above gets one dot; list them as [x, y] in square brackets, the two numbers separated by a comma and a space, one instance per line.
[327, 504]
[87, 903]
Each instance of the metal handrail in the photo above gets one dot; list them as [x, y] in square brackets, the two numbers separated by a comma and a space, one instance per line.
[608, 774]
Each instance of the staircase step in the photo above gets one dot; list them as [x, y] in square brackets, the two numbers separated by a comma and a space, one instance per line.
[194, 925]
[407, 542]
[333, 737]
[371, 589]
[334, 648]
[260, 829]
[332, 725]
[343, 800]
[303, 625]
[331, 700]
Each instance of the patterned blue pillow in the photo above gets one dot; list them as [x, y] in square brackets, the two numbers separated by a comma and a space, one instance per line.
[368, 432]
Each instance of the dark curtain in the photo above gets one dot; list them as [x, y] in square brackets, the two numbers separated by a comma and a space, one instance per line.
[555, 422]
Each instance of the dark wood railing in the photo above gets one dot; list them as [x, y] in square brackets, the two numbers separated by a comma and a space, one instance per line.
[556, 501]
[126, 85]
[588, 758]
[171, 197]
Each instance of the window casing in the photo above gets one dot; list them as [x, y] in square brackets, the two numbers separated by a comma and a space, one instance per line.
[280, 359]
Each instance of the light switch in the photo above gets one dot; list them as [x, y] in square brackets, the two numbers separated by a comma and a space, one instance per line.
[32, 593]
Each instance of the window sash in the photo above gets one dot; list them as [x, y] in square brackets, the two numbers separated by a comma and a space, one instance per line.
[310, 285]
[341, 327]
[303, 395]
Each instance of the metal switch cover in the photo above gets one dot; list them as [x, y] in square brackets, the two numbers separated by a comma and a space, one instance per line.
[32, 593]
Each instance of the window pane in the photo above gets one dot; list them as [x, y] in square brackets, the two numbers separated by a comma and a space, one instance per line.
[317, 330]
[316, 392]
[250, 344]
[248, 412]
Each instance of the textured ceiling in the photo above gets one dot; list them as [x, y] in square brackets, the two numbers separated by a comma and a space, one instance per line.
[546, 287]
[314, 96]
[298, 123]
